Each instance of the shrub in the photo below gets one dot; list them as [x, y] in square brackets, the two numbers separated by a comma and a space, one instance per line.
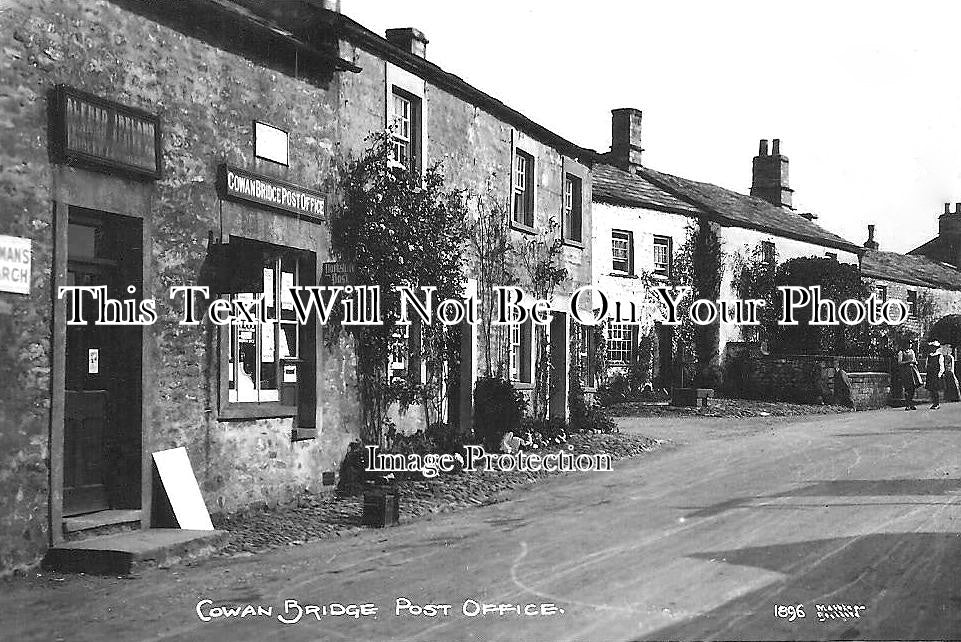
[587, 417]
[498, 408]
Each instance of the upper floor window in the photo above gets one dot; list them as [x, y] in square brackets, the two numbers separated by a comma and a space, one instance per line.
[662, 255]
[406, 134]
[768, 252]
[572, 208]
[882, 292]
[622, 251]
[523, 209]
[913, 303]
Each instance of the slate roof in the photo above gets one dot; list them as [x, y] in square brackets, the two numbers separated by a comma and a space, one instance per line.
[910, 269]
[613, 185]
[740, 210]
[937, 249]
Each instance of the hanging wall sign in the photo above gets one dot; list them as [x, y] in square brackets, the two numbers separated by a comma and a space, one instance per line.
[15, 264]
[337, 273]
[92, 131]
[241, 185]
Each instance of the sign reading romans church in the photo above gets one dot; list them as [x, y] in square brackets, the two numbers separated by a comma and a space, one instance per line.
[241, 185]
[92, 131]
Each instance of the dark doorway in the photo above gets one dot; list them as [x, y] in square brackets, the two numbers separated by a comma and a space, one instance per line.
[665, 352]
[102, 397]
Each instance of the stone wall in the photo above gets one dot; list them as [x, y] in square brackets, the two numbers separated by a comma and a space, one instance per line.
[870, 389]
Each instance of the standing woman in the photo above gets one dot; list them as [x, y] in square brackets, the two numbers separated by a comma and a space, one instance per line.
[951, 390]
[935, 371]
[908, 372]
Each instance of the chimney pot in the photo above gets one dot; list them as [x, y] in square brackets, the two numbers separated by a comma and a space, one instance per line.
[409, 39]
[947, 208]
[871, 244]
[776, 147]
[957, 208]
[762, 147]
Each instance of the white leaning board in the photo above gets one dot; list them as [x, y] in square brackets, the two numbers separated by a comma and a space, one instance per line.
[179, 481]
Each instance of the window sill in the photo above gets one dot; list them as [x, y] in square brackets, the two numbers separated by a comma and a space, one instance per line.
[520, 227]
[623, 275]
[522, 385]
[660, 276]
[573, 243]
[240, 410]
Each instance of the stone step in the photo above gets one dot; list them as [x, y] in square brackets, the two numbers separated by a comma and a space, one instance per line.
[103, 522]
[125, 553]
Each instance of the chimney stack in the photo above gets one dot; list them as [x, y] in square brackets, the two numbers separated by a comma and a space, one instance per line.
[770, 176]
[409, 39]
[626, 138]
[949, 231]
[871, 244]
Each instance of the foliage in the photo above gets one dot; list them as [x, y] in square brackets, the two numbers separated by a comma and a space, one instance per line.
[540, 258]
[490, 242]
[838, 281]
[399, 228]
[947, 330]
[754, 278]
[584, 416]
[498, 408]
[699, 264]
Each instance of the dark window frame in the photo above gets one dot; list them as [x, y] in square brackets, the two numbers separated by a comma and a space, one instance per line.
[628, 236]
[669, 243]
[416, 127]
[573, 209]
[523, 219]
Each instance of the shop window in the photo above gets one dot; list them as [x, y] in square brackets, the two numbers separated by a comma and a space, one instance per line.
[269, 364]
[620, 344]
[572, 208]
[523, 208]
[662, 255]
[622, 251]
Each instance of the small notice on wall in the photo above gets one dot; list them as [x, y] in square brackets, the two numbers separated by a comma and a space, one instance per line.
[182, 490]
[14, 264]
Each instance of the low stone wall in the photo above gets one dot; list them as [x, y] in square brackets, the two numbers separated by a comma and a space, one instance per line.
[802, 379]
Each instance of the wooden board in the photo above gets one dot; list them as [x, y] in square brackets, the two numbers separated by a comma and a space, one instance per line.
[182, 490]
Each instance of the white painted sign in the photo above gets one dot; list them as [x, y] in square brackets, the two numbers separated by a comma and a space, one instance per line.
[179, 482]
[15, 264]
[93, 361]
[270, 143]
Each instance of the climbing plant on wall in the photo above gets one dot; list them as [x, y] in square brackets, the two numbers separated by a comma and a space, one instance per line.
[539, 257]
[400, 228]
[699, 264]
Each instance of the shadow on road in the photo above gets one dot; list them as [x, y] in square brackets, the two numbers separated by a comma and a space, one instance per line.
[904, 598]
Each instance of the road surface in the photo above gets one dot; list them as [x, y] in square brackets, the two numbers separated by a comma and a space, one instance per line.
[702, 541]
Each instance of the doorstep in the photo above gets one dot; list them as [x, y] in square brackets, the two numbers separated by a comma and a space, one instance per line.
[124, 553]
[102, 522]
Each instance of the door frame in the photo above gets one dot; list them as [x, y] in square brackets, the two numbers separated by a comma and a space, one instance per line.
[72, 187]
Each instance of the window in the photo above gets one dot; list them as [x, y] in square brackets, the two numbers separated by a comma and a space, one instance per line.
[520, 352]
[406, 134]
[622, 251]
[662, 255]
[399, 353]
[768, 252]
[620, 344]
[264, 360]
[912, 303]
[572, 208]
[523, 209]
[831, 255]
[585, 357]
[881, 292]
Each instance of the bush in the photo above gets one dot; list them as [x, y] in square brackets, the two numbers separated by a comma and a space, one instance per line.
[498, 408]
[586, 417]
[617, 389]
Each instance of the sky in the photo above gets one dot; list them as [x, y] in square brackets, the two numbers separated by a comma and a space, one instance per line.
[864, 96]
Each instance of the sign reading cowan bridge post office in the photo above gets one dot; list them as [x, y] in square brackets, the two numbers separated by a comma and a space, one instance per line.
[241, 185]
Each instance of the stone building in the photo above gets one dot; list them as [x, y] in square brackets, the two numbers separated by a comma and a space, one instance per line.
[147, 145]
[642, 217]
